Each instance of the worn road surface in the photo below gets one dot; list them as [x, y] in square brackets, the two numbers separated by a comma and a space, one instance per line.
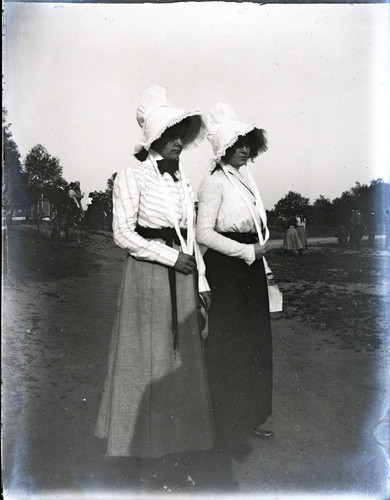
[58, 306]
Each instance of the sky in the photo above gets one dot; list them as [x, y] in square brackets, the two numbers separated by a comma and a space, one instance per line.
[314, 76]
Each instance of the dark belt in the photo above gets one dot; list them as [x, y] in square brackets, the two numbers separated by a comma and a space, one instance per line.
[247, 238]
[168, 234]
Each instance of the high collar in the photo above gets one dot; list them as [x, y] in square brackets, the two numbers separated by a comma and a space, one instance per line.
[152, 154]
[230, 168]
[154, 157]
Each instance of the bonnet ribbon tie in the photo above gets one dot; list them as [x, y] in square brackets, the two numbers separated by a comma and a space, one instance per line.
[186, 238]
[168, 234]
[263, 238]
[168, 166]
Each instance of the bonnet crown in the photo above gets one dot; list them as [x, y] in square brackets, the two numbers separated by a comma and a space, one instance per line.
[153, 97]
[155, 114]
[223, 130]
[219, 114]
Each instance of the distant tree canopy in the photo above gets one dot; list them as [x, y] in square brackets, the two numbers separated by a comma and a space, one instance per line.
[110, 183]
[291, 204]
[100, 210]
[42, 170]
[366, 198]
[324, 212]
[105, 197]
[14, 180]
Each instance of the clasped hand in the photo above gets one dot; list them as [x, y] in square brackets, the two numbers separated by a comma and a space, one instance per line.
[185, 263]
[260, 250]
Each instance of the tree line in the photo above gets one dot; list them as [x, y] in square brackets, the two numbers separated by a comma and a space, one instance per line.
[323, 212]
[24, 183]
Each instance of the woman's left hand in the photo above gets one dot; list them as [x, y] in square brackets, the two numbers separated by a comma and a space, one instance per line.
[260, 250]
[207, 299]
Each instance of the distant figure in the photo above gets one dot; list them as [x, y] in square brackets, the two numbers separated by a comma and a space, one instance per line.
[77, 189]
[87, 201]
[342, 236]
[372, 228]
[356, 229]
[292, 243]
[301, 229]
[63, 206]
[90, 214]
[76, 195]
[96, 214]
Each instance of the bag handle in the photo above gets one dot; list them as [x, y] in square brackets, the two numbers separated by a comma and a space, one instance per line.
[259, 205]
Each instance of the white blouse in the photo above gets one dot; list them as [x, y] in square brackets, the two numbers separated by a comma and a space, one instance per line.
[139, 199]
[222, 209]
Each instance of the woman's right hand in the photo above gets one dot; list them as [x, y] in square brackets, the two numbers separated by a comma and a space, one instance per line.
[260, 250]
[185, 263]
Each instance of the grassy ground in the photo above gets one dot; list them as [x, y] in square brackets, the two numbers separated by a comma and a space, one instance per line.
[334, 288]
[330, 380]
[277, 232]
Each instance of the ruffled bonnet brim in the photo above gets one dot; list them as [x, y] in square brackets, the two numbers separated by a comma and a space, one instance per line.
[164, 118]
[239, 130]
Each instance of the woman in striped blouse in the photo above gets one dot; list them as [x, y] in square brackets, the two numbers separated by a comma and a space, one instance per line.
[232, 224]
[155, 399]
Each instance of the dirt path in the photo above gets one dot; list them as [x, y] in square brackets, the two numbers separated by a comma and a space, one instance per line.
[59, 305]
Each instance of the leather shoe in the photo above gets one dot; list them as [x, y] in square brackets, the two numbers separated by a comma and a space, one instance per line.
[263, 433]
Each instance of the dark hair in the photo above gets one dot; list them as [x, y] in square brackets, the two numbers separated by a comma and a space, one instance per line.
[256, 141]
[143, 154]
[185, 123]
[292, 221]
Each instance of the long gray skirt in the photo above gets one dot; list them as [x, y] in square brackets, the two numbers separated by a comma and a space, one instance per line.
[155, 400]
[291, 240]
[302, 235]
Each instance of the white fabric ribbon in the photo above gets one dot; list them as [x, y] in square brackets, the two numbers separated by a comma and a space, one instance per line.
[258, 203]
[186, 246]
[259, 206]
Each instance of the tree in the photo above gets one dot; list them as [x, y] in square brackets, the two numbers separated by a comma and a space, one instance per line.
[42, 169]
[100, 210]
[291, 204]
[14, 181]
[322, 212]
[378, 190]
[110, 182]
[366, 198]
[342, 207]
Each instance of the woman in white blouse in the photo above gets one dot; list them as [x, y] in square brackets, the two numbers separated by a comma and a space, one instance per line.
[232, 224]
[155, 399]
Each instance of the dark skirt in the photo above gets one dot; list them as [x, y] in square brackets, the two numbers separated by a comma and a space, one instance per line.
[239, 345]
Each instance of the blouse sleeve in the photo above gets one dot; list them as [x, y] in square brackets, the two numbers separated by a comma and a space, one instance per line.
[203, 285]
[210, 197]
[126, 195]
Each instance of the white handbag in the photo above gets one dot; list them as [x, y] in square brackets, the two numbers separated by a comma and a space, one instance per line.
[275, 298]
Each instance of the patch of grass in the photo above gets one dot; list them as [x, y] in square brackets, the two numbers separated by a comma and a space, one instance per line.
[332, 288]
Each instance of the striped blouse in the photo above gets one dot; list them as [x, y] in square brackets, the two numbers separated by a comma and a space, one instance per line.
[138, 199]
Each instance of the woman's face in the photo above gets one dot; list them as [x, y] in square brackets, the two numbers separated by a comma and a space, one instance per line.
[238, 154]
[170, 144]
